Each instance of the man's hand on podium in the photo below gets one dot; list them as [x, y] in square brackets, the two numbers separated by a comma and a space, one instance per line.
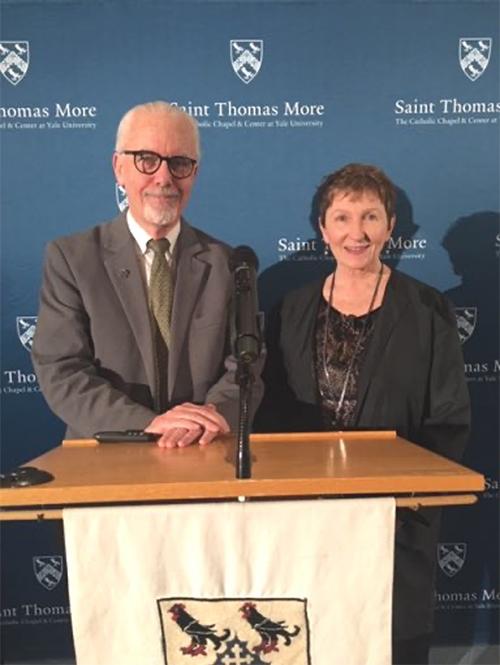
[188, 423]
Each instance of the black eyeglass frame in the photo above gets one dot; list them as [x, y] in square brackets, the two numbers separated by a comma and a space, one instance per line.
[139, 153]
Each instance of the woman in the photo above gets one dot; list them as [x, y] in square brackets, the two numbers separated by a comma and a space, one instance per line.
[369, 348]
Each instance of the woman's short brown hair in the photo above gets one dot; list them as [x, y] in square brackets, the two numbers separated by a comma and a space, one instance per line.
[355, 178]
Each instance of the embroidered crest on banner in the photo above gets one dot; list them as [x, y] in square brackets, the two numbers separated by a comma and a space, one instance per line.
[466, 322]
[451, 557]
[121, 197]
[246, 57]
[245, 631]
[474, 55]
[14, 60]
[26, 326]
[48, 570]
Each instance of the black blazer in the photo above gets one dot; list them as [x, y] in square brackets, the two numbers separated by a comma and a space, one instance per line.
[412, 381]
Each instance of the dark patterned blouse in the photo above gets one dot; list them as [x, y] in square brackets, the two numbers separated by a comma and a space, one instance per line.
[340, 347]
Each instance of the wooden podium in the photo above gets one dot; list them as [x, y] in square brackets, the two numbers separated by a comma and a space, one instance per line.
[283, 465]
[286, 466]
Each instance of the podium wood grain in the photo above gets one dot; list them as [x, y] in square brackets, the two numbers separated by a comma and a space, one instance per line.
[284, 465]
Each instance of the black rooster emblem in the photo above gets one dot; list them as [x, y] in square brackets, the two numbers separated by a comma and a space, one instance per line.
[269, 631]
[199, 634]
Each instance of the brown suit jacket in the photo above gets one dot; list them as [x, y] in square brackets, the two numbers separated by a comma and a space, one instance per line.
[93, 348]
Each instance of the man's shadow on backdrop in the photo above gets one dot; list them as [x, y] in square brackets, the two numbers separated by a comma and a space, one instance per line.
[310, 263]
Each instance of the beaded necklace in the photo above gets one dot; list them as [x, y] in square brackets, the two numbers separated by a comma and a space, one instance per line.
[360, 339]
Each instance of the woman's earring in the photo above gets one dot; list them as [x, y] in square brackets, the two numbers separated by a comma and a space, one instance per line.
[326, 250]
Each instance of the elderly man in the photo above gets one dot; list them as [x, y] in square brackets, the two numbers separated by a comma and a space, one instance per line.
[132, 330]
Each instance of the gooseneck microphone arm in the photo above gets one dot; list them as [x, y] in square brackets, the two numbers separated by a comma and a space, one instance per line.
[246, 346]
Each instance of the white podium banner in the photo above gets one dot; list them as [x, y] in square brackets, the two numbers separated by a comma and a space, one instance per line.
[255, 583]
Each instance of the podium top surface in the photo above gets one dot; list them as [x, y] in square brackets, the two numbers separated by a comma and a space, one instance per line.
[283, 465]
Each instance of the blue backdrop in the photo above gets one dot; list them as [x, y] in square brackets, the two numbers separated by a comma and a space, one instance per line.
[410, 86]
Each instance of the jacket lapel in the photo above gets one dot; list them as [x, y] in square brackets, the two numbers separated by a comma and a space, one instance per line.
[192, 270]
[304, 327]
[125, 272]
[394, 305]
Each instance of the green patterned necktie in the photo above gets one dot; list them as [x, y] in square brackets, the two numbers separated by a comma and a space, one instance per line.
[161, 288]
[161, 295]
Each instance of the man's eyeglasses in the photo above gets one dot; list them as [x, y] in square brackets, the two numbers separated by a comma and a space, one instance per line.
[149, 162]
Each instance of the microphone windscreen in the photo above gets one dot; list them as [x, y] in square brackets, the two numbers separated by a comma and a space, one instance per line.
[243, 255]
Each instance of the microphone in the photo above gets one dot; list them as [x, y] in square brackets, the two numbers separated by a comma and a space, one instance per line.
[246, 333]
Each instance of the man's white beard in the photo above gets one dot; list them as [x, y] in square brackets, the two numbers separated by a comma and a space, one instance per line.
[167, 217]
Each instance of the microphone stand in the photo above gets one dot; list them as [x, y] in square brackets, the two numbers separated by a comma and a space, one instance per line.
[246, 347]
[245, 379]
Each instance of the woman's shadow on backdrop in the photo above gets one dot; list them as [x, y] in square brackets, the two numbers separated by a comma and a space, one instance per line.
[473, 245]
[310, 262]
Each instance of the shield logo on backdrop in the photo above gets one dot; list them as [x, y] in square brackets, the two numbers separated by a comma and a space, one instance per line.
[14, 60]
[121, 197]
[26, 326]
[474, 55]
[266, 631]
[246, 57]
[48, 570]
[466, 322]
[451, 557]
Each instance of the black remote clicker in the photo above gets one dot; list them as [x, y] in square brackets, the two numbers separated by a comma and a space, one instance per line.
[126, 436]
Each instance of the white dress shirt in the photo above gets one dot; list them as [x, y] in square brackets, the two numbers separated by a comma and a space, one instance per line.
[142, 237]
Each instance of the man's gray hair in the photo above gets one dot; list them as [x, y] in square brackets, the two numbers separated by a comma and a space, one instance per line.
[155, 107]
